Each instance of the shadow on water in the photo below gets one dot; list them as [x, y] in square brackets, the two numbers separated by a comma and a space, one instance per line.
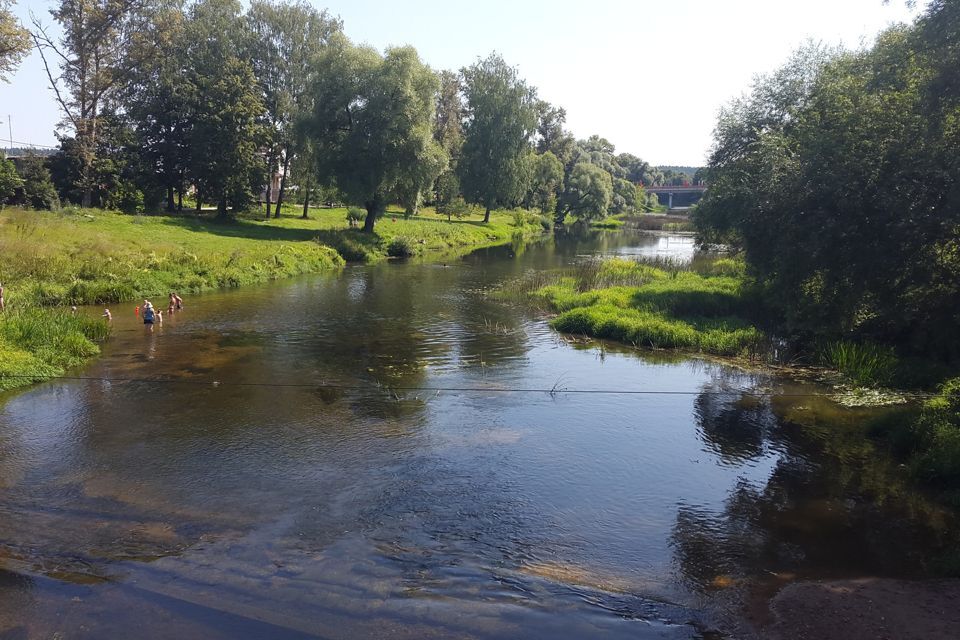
[832, 507]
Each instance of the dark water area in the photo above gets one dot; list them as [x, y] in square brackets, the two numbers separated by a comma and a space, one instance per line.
[375, 453]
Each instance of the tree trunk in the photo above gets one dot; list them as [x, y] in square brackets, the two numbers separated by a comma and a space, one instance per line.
[222, 207]
[306, 199]
[283, 179]
[486, 216]
[269, 190]
[171, 205]
[374, 208]
[199, 202]
[180, 198]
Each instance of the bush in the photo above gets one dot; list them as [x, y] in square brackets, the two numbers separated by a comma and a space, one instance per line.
[938, 438]
[546, 222]
[355, 215]
[400, 247]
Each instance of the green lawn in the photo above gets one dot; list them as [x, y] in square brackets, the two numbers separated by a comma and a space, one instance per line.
[93, 257]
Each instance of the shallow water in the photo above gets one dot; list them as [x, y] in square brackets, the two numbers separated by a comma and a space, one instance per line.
[375, 452]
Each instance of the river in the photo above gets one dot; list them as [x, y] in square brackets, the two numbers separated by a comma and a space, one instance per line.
[375, 453]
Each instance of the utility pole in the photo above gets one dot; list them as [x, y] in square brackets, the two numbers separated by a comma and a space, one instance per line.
[10, 131]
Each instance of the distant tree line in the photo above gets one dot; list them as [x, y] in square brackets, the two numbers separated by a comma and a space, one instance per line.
[167, 99]
[839, 177]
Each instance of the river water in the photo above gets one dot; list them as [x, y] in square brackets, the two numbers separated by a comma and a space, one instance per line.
[374, 453]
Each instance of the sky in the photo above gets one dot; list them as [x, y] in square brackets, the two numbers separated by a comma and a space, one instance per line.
[650, 76]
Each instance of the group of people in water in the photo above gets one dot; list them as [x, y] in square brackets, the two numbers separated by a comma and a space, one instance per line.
[149, 313]
[152, 315]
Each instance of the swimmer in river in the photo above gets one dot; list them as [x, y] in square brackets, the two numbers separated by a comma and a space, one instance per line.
[107, 315]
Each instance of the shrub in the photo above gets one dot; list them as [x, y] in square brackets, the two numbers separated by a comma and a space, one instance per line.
[938, 438]
[400, 247]
[546, 223]
[355, 215]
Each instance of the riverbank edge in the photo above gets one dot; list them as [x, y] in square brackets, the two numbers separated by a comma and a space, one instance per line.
[23, 369]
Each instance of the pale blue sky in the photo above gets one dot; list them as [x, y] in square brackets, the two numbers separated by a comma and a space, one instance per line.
[648, 75]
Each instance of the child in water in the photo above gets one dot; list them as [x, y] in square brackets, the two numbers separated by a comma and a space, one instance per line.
[107, 315]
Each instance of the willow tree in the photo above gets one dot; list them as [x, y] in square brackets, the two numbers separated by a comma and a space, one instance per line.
[372, 122]
[501, 120]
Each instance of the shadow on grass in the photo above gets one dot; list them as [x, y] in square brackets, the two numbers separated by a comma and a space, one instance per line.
[240, 228]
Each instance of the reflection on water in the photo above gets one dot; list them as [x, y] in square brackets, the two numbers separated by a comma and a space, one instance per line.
[262, 466]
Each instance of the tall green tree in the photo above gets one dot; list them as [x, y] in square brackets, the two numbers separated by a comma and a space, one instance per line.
[588, 194]
[156, 100]
[92, 54]
[287, 38]
[10, 180]
[224, 107]
[448, 133]
[14, 41]
[839, 178]
[373, 122]
[501, 120]
[546, 179]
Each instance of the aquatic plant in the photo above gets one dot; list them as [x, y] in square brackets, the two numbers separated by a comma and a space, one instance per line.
[863, 363]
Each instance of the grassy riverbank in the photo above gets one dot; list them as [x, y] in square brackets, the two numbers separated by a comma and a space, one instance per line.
[659, 307]
[76, 257]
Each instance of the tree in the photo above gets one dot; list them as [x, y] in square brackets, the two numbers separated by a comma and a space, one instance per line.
[448, 133]
[223, 106]
[156, 102]
[38, 189]
[92, 54]
[551, 136]
[372, 122]
[10, 180]
[546, 178]
[14, 41]
[588, 194]
[626, 197]
[116, 167]
[838, 178]
[501, 119]
[286, 40]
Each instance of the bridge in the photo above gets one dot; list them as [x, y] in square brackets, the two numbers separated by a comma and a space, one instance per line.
[688, 194]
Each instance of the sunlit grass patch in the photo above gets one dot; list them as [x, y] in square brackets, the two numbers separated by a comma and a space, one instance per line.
[654, 304]
[36, 344]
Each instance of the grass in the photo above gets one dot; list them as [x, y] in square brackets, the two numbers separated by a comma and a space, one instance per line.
[867, 365]
[36, 344]
[86, 256]
[654, 304]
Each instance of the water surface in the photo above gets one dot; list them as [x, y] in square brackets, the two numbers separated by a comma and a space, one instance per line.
[366, 454]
